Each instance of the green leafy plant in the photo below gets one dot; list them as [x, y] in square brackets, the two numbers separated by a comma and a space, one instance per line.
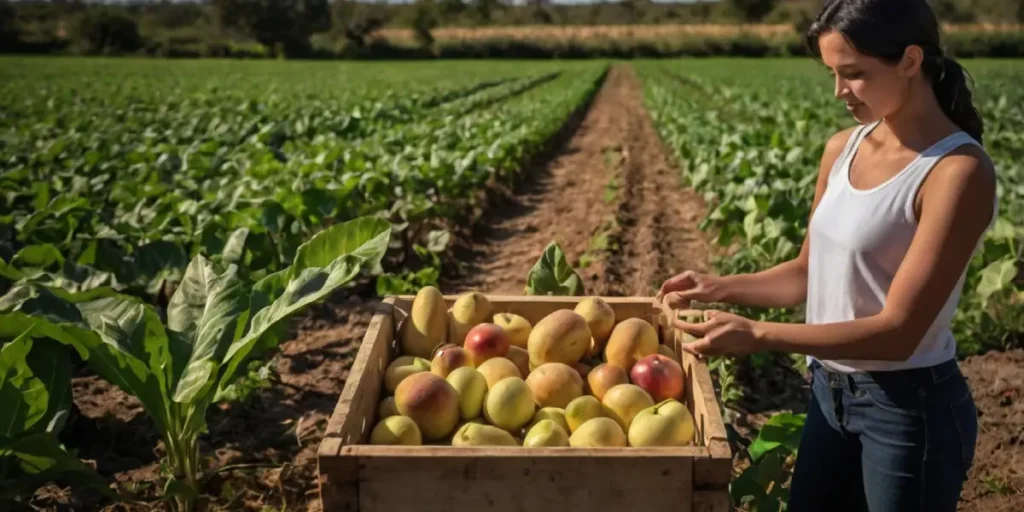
[553, 275]
[217, 321]
[35, 390]
[763, 486]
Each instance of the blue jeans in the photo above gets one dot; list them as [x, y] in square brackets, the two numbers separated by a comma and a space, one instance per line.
[885, 441]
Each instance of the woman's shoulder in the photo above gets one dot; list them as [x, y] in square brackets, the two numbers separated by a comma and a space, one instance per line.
[835, 145]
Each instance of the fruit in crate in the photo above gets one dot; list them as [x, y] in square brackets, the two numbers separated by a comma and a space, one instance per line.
[516, 327]
[554, 384]
[582, 410]
[478, 434]
[598, 432]
[662, 425]
[521, 358]
[546, 433]
[631, 339]
[426, 326]
[560, 337]
[659, 376]
[551, 414]
[431, 402]
[583, 369]
[604, 377]
[600, 320]
[485, 341]
[387, 408]
[469, 310]
[623, 402]
[448, 358]
[471, 386]
[402, 367]
[667, 351]
[396, 430]
[496, 369]
[509, 404]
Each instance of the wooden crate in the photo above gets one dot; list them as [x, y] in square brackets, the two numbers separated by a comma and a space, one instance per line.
[354, 475]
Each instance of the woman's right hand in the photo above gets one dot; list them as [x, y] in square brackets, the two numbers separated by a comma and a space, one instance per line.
[678, 291]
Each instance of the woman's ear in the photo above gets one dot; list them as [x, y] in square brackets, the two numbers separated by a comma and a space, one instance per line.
[913, 58]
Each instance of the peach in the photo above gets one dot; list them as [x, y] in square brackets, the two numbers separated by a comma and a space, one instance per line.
[603, 377]
[496, 369]
[555, 384]
[521, 358]
[431, 402]
[485, 341]
[449, 358]
[631, 339]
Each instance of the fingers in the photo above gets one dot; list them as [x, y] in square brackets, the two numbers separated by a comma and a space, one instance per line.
[676, 283]
[678, 300]
[697, 330]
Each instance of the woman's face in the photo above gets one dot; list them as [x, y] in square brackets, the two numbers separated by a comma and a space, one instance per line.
[871, 88]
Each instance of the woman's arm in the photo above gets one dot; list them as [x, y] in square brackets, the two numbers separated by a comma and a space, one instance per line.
[784, 285]
[956, 210]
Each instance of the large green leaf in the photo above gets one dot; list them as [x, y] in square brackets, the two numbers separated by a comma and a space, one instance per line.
[996, 276]
[50, 362]
[311, 285]
[23, 395]
[553, 275]
[42, 459]
[365, 237]
[207, 314]
[783, 429]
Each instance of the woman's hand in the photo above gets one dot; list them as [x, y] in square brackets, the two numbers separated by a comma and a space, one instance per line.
[721, 333]
[678, 291]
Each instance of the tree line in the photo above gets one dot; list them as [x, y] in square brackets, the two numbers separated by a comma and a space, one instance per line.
[295, 27]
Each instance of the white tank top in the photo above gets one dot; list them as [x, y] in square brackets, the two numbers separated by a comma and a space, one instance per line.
[858, 239]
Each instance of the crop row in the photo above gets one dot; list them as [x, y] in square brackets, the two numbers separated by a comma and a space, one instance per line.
[116, 176]
[752, 146]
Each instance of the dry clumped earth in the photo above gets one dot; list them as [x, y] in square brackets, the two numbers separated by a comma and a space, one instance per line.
[611, 198]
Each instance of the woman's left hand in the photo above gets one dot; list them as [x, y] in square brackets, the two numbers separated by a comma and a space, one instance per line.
[721, 333]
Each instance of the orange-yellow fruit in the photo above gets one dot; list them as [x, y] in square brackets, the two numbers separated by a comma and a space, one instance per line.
[555, 384]
[560, 337]
[604, 377]
[431, 402]
[631, 339]
[600, 319]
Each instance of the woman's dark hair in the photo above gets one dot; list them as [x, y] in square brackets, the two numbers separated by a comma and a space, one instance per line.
[883, 29]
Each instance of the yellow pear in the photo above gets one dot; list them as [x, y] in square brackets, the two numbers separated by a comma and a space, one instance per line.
[471, 387]
[509, 404]
[387, 408]
[497, 368]
[396, 430]
[478, 434]
[661, 425]
[560, 337]
[468, 310]
[516, 327]
[551, 414]
[623, 402]
[402, 367]
[598, 432]
[581, 410]
[546, 433]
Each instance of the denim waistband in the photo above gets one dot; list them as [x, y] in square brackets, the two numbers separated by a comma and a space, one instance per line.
[925, 376]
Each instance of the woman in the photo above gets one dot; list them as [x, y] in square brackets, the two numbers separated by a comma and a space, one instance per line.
[902, 201]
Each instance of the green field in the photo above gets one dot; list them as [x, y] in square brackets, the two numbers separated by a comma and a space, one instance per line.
[166, 220]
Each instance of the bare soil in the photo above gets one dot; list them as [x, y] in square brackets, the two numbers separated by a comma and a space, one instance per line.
[612, 200]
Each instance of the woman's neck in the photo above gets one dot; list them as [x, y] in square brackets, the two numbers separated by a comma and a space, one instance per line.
[919, 123]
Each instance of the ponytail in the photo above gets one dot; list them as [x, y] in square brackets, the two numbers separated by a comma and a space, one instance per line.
[952, 85]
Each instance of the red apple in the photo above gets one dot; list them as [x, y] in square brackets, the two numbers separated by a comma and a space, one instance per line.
[659, 376]
[485, 341]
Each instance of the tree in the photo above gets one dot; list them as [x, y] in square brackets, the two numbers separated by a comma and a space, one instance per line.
[8, 25]
[425, 19]
[752, 10]
[284, 24]
[103, 29]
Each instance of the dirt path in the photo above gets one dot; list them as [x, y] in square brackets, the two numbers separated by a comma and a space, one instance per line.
[608, 197]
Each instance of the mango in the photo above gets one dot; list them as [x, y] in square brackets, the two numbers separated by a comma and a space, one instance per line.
[546, 433]
[396, 430]
[516, 327]
[468, 310]
[431, 402]
[623, 402]
[509, 405]
[479, 434]
[581, 410]
[560, 337]
[631, 339]
[426, 326]
[598, 432]
[471, 386]
[600, 319]
[402, 367]
[662, 425]
[555, 384]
